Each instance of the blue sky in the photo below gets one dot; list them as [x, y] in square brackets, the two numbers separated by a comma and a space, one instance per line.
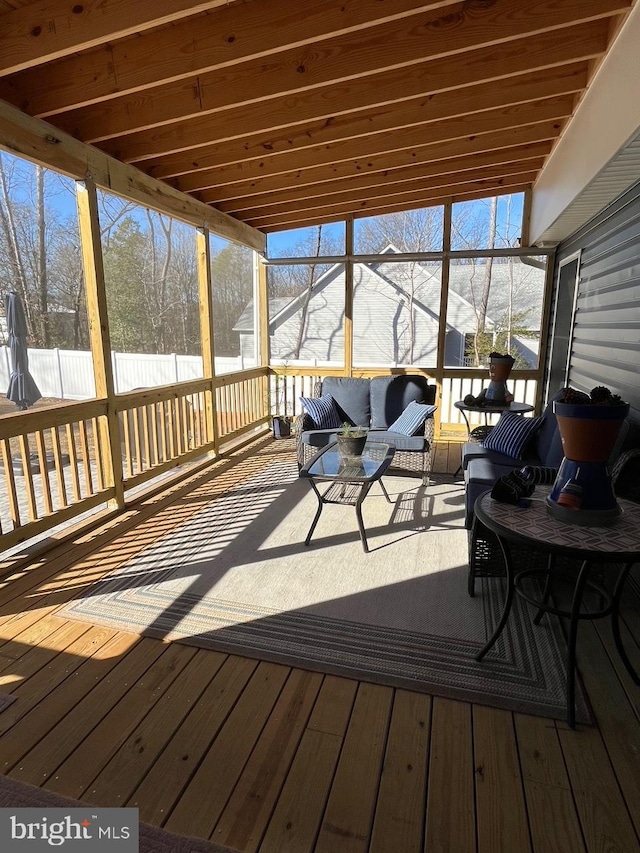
[61, 197]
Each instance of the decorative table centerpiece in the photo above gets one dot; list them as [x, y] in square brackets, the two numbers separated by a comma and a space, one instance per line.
[496, 393]
[351, 440]
[589, 425]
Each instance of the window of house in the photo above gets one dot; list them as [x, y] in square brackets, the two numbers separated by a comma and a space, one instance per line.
[309, 242]
[490, 223]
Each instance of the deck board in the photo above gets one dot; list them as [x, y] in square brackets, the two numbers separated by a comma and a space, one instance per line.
[552, 815]
[450, 820]
[271, 758]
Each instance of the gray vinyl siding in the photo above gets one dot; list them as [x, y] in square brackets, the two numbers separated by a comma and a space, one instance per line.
[605, 342]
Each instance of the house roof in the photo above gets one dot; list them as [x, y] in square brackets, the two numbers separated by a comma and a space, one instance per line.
[245, 320]
[282, 117]
[426, 283]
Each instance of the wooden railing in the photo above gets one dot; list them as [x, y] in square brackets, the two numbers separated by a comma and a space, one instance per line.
[55, 465]
[63, 461]
[289, 383]
[454, 388]
[161, 428]
[241, 402]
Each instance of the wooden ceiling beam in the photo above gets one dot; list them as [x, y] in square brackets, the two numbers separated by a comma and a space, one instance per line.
[496, 160]
[420, 200]
[432, 107]
[477, 66]
[553, 110]
[133, 65]
[41, 143]
[248, 32]
[543, 133]
[187, 111]
[51, 29]
[387, 190]
[434, 110]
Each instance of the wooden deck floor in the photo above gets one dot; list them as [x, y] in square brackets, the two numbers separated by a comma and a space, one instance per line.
[264, 757]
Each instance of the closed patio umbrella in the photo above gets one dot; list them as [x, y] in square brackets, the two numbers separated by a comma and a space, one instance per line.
[22, 389]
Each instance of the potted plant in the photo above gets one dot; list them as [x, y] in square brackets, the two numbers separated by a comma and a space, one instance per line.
[589, 425]
[351, 439]
[281, 426]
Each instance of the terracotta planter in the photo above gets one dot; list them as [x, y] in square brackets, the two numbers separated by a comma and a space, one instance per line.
[500, 369]
[589, 432]
[582, 492]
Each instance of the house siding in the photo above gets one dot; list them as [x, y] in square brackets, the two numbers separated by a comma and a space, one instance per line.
[605, 339]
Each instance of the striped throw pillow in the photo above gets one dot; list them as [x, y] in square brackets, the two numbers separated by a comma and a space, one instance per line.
[323, 411]
[412, 418]
[511, 434]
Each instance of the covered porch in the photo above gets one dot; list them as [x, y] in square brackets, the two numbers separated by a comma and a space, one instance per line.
[263, 756]
[245, 123]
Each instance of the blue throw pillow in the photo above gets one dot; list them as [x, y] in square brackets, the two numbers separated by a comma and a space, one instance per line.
[511, 434]
[323, 411]
[412, 418]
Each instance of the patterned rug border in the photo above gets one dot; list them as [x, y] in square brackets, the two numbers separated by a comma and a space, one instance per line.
[399, 658]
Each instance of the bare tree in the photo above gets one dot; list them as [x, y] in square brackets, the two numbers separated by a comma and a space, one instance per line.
[311, 278]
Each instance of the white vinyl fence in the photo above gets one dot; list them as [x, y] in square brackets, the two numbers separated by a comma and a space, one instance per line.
[68, 374]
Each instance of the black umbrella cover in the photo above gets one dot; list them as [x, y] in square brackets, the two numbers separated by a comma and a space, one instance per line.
[22, 389]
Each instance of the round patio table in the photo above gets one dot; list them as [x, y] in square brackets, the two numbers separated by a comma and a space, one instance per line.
[534, 528]
[481, 432]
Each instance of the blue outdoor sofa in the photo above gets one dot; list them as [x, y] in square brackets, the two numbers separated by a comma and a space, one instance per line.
[375, 404]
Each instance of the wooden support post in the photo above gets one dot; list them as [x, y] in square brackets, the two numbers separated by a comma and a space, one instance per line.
[348, 299]
[526, 217]
[89, 226]
[444, 301]
[263, 328]
[206, 332]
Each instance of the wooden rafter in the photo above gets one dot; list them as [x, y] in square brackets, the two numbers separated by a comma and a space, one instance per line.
[271, 114]
[38, 141]
[50, 29]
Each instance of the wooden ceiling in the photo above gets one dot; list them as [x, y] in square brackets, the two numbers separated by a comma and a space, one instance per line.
[285, 113]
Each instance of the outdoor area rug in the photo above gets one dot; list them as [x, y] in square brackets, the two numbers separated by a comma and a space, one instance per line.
[237, 577]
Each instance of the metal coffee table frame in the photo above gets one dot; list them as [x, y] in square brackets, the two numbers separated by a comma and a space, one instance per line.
[349, 478]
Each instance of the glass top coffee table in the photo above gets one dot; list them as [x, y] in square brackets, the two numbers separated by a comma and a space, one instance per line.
[349, 478]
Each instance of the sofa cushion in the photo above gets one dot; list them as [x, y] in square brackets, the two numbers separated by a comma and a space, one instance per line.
[547, 441]
[319, 437]
[484, 472]
[352, 398]
[511, 434]
[411, 421]
[390, 395]
[323, 411]
[400, 442]
[479, 477]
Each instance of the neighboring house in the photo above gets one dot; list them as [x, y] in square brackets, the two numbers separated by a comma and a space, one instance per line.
[396, 311]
